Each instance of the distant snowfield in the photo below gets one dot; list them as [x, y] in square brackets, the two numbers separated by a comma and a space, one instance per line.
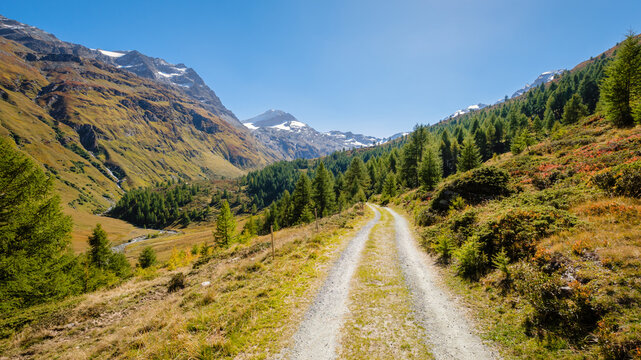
[113, 54]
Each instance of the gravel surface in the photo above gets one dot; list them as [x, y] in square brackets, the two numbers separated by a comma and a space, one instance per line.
[317, 335]
[447, 330]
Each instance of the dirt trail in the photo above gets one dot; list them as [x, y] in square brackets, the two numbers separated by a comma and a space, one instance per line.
[447, 330]
[317, 335]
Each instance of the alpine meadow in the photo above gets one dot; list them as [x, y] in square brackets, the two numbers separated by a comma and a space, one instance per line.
[141, 218]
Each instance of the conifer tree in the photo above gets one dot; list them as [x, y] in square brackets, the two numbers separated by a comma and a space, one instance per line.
[589, 91]
[147, 257]
[356, 177]
[225, 225]
[470, 157]
[574, 110]
[34, 234]
[389, 187]
[449, 161]
[323, 191]
[430, 171]
[301, 198]
[99, 248]
[621, 90]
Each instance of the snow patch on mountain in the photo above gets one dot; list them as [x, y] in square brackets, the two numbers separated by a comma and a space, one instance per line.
[113, 54]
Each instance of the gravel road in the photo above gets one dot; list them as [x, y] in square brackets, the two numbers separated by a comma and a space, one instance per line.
[447, 330]
[317, 335]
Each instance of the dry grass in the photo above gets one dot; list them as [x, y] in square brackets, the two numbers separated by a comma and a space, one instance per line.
[380, 324]
[118, 231]
[251, 307]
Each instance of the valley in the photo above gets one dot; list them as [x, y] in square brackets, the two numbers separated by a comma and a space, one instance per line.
[141, 219]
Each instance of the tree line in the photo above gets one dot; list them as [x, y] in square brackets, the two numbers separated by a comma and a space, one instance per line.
[160, 206]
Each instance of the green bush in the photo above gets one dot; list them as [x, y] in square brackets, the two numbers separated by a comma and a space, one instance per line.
[518, 230]
[622, 180]
[147, 257]
[471, 260]
[426, 217]
[475, 186]
[444, 248]
[464, 223]
[558, 307]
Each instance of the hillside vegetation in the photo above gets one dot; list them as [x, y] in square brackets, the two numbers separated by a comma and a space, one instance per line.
[99, 129]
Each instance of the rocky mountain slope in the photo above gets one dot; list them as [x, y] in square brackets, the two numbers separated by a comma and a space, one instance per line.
[178, 77]
[291, 139]
[99, 128]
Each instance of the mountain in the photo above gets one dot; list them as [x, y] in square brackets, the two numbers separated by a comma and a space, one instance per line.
[100, 128]
[291, 138]
[541, 79]
[179, 77]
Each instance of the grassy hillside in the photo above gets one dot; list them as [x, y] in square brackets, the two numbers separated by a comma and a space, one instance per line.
[247, 308]
[569, 286]
[99, 129]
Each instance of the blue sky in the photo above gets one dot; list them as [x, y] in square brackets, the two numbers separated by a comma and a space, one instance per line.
[375, 67]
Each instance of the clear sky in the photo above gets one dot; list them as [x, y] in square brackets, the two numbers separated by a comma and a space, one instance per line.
[375, 67]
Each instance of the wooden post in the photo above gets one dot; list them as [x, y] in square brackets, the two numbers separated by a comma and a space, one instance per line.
[271, 230]
[316, 219]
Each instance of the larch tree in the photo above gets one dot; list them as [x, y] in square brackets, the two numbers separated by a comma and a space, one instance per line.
[469, 157]
[34, 234]
[574, 110]
[431, 169]
[225, 225]
[323, 191]
[301, 199]
[99, 248]
[389, 186]
[621, 89]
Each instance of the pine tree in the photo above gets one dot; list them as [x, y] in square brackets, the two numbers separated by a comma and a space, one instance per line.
[147, 257]
[360, 196]
[389, 187]
[225, 225]
[323, 191]
[356, 177]
[34, 234]
[589, 91]
[301, 198]
[412, 156]
[449, 160]
[574, 110]
[430, 171]
[621, 89]
[470, 157]
[99, 248]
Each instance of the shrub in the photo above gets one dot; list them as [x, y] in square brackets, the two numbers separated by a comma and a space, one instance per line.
[501, 262]
[176, 283]
[562, 308]
[471, 261]
[463, 223]
[622, 180]
[444, 248]
[425, 217]
[517, 230]
[474, 187]
[147, 258]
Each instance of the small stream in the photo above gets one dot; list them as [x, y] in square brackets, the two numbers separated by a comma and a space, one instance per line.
[121, 248]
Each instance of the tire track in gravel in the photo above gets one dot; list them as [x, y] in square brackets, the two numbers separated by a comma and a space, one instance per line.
[317, 334]
[447, 331]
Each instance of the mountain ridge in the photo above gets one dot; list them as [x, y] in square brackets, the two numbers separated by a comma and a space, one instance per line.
[285, 134]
